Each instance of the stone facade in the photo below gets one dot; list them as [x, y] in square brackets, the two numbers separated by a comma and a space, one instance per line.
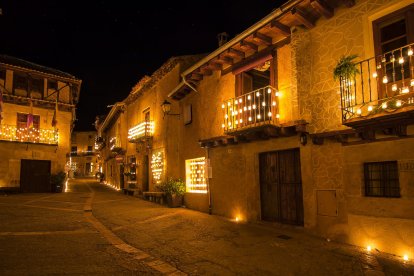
[16, 100]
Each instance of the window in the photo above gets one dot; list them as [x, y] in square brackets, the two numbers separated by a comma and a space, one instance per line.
[23, 131]
[36, 85]
[195, 172]
[51, 84]
[381, 179]
[20, 82]
[391, 34]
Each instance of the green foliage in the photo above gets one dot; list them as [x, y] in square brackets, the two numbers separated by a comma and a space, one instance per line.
[172, 186]
[346, 68]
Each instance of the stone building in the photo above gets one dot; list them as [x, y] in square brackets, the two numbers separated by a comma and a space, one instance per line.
[274, 137]
[82, 159]
[265, 132]
[37, 111]
[138, 144]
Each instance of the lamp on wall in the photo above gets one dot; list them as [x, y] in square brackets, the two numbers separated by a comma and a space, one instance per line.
[303, 139]
[166, 109]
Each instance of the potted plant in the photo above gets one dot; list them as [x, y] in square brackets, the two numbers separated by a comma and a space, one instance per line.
[346, 69]
[174, 189]
[57, 181]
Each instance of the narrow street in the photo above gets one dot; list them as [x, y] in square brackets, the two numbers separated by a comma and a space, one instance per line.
[94, 230]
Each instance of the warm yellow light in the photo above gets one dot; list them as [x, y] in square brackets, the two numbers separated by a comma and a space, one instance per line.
[369, 248]
[237, 219]
[254, 106]
[269, 90]
[384, 105]
[250, 119]
[228, 103]
[385, 79]
[410, 51]
[374, 75]
[405, 257]
[222, 125]
[223, 106]
[401, 60]
[278, 116]
[398, 103]
[370, 108]
[240, 100]
[273, 103]
[258, 94]
[394, 87]
[359, 111]
[258, 116]
[263, 103]
[241, 121]
[277, 94]
[248, 97]
[405, 90]
[412, 82]
[269, 114]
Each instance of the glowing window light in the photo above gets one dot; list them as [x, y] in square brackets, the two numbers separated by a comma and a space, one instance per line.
[143, 129]
[157, 166]
[195, 170]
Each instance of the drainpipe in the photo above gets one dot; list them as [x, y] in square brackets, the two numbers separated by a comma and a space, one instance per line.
[208, 183]
[188, 84]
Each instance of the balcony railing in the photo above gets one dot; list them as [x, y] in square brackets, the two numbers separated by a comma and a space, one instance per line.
[257, 108]
[141, 131]
[384, 85]
[29, 135]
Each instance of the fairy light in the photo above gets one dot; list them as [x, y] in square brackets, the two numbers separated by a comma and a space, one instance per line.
[401, 60]
[195, 170]
[405, 90]
[398, 103]
[359, 111]
[157, 166]
[31, 135]
[375, 75]
[412, 82]
[385, 79]
[384, 105]
[394, 87]
[370, 108]
[410, 51]
[143, 129]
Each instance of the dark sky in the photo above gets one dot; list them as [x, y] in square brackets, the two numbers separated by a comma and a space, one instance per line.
[110, 45]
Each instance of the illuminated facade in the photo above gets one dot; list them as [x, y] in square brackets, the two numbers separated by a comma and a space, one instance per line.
[265, 131]
[37, 113]
[82, 158]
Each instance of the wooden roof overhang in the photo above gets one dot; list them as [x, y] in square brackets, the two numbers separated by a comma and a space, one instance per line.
[270, 32]
[112, 117]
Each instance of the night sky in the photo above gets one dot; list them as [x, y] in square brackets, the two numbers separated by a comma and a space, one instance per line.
[110, 45]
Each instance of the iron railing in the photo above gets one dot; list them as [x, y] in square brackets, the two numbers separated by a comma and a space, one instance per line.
[29, 135]
[384, 84]
[256, 108]
[141, 131]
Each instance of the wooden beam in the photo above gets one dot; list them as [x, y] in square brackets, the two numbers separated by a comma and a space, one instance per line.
[349, 3]
[249, 45]
[196, 76]
[303, 18]
[261, 38]
[285, 30]
[225, 60]
[237, 53]
[206, 71]
[213, 65]
[323, 8]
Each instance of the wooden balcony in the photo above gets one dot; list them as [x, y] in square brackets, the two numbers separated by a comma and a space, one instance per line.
[382, 94]
[29, 135]
[141, 132]
[253, 110]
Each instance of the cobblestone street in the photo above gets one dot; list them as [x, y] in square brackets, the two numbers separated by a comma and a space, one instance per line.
[92, 229]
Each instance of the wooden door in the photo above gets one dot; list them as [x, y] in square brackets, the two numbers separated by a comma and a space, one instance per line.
[281, 187]
[35, 176]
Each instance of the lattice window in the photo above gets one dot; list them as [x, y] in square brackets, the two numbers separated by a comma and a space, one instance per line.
[381, 179]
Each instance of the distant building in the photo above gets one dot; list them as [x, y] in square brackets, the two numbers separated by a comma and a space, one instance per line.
[82, 159]
[37, 114]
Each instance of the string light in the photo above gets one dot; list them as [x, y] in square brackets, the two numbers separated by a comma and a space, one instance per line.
[375, 75]
[157, 166]
[394, 87]
[32, 135]
[195, 170]
[143, 129]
